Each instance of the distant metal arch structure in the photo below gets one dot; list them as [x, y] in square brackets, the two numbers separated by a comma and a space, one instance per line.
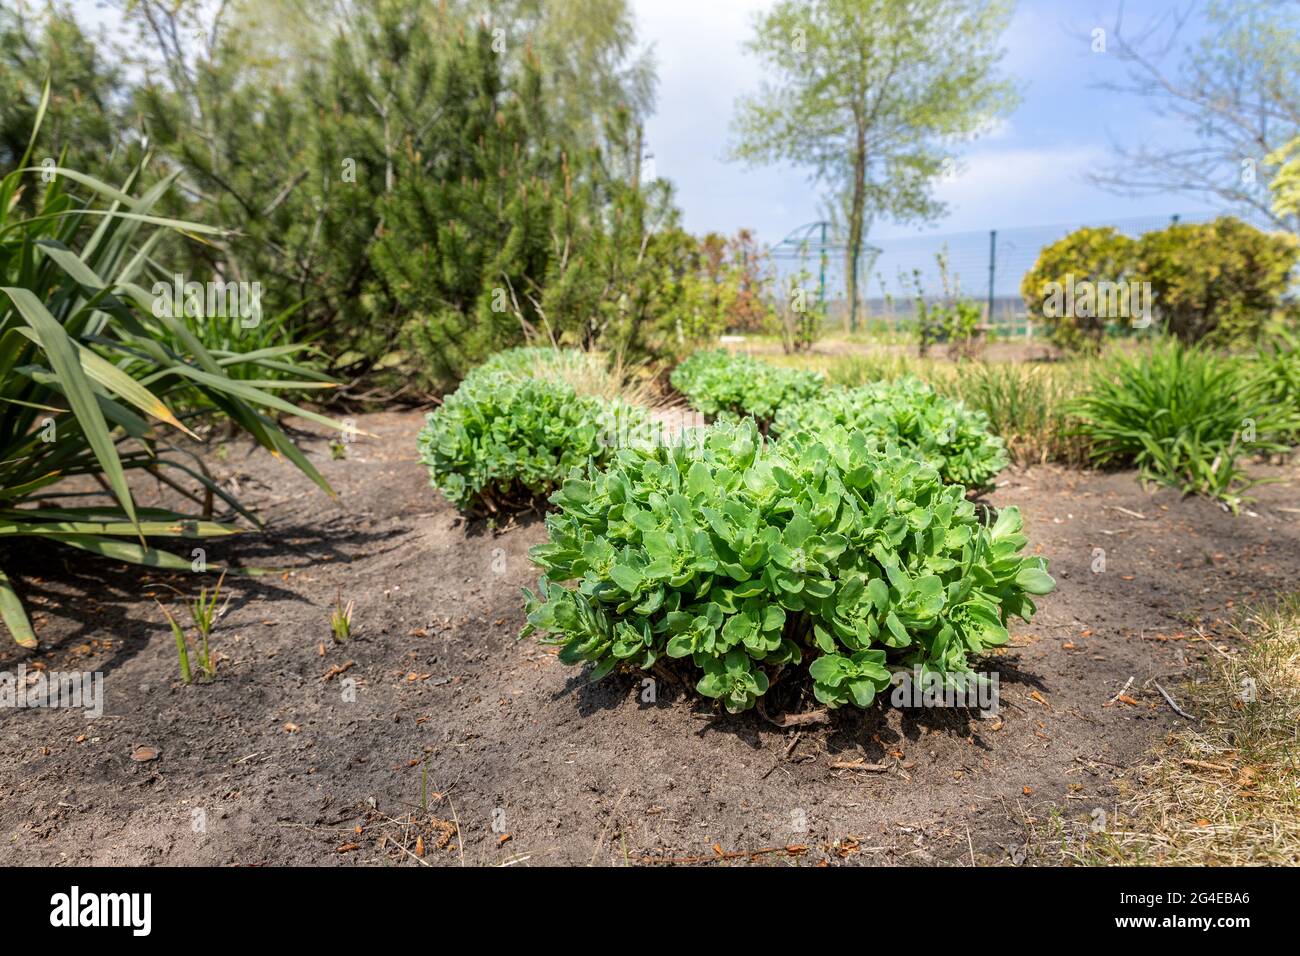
[820, 239]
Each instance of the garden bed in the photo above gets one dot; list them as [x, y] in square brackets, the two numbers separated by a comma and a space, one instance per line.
[464, 744]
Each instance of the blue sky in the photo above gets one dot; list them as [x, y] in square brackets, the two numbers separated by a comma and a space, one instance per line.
[1030, 170]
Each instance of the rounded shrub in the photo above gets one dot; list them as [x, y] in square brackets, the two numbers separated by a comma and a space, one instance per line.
[722, 384]
[751, 560]
[941, 431]
[1222, 281]
[500, 442]
[1087, 255]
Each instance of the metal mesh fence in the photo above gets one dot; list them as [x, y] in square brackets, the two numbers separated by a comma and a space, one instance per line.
[985, 267]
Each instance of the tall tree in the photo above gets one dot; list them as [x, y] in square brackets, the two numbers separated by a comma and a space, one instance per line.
[86, 117]
[1236, 91]
[588, 51]
[867, 94]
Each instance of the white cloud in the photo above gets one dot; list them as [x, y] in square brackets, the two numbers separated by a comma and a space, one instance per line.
[1022, 185]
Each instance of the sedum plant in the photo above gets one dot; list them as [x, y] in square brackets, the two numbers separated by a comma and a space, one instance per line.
[722, 384]
[941, 431]
[500, 442]
[749, 559]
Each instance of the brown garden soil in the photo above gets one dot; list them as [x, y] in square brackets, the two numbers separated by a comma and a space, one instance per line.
[436, 737]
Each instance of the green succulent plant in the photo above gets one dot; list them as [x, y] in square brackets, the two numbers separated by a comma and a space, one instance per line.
[501, 441]
[941, 431]
[723, 384]
[749, 558]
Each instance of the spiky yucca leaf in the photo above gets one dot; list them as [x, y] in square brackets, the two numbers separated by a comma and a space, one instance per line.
[90, 375]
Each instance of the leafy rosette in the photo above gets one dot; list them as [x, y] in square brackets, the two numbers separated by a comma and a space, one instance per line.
[750, 559]
[943, 432]
[500, 442]
[724, 385]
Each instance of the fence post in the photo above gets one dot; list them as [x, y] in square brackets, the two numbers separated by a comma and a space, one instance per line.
[993, 255]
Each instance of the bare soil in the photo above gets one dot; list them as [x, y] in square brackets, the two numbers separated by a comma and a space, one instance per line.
[436, 737]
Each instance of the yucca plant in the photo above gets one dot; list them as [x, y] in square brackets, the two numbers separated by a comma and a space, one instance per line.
[90, 370]
[1185, 416]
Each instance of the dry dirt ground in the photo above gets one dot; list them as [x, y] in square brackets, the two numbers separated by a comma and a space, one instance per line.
[435, 737]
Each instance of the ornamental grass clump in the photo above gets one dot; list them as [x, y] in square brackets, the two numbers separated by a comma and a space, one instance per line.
[941, 431]
[751, 562]
[724, 385]
[501, 442]
[588, 372]
[1186, 417]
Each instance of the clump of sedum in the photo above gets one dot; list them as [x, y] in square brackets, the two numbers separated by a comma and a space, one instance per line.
[501, 442]
[751, 561]
[725, 385]
[944, 433]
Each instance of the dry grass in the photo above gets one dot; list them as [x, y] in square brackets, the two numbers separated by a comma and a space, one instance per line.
[1224, 791]
[599, 374]
[1025, 401]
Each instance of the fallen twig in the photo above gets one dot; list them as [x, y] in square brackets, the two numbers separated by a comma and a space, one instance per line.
[1205, 765]
[819, 716]
[1170, 701]
[859, 764]
[336, 670]
[1126, 511]
[1122, 690]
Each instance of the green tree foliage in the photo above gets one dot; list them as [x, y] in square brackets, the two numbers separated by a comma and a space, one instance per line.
[1285, 184]
[465, 237]
[721, 288]
[1232, 89]
[81, 128]
[424, 186]
[867, 94]
[587, 50]
[1222, 281]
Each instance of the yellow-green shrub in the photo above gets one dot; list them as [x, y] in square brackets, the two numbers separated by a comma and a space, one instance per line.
[1222, 280]
[1085, 255]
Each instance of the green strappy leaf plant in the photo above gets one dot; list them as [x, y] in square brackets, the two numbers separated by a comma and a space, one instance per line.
[92, 368]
